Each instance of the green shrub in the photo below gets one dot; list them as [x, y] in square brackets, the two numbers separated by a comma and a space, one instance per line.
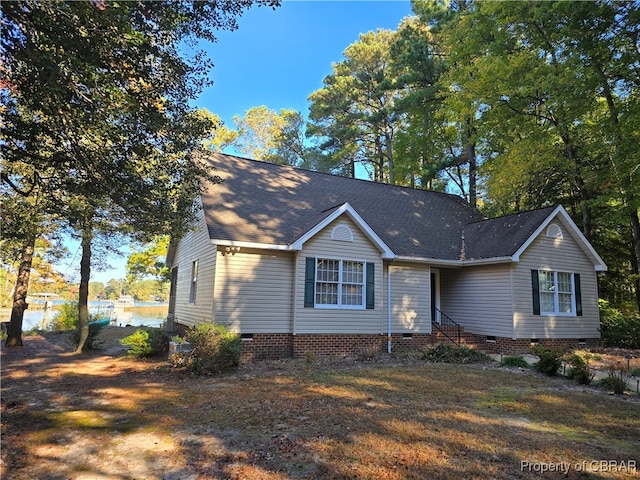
[214, 349]
[579, 369]
[617, 329]
[66, 318]
[146, 342]
[514, 361]
[451, 353]
[635, 372]
[614, 382]
[550, 360]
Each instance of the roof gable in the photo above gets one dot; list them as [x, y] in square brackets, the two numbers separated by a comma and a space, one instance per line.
[560, 213]
[348, 210]
[509, 236]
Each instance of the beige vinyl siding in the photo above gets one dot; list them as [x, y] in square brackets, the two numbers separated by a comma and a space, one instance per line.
[253, 291]
[479, 299]
[195, 245]
[559, 255]
[410, 302]
[335, 320]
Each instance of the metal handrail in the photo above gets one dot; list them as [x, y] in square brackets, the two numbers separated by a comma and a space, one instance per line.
[446, 321]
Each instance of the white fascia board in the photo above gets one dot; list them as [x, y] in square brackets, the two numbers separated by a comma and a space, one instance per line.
[598, 262]
[259, 246]
[438, 262]
[489, 261]
[387, 253]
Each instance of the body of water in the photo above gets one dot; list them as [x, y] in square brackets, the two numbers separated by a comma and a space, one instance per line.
[147, 314]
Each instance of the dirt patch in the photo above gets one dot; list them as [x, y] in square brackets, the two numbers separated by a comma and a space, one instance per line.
[105, 416]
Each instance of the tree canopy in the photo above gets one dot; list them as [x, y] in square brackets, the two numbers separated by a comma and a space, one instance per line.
[97, 115]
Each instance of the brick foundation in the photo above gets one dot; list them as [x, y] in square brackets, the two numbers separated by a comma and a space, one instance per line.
[274, 346]
[522, 346]
[353, 345]
[266, 346]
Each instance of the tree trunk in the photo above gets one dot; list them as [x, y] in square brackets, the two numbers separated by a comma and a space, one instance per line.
[389, 153]
[14, 335]
[379, 167]
[635, 233]
[85, 274]
[470, 151]
[473, 173]
[578, 182]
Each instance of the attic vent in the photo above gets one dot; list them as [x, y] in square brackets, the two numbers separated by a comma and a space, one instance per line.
[554, 231]
[342, 233]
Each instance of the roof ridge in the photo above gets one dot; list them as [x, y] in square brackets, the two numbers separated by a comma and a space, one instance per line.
[315, 172]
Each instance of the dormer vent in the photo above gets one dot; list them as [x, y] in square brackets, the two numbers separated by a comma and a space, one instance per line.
[554, 231]
[342, 233]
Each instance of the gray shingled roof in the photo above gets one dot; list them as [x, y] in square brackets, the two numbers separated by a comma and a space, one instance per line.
[261, 202]
[502, 236]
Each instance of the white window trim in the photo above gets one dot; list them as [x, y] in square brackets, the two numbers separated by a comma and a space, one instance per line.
[339, 305]
[556, 302]
[193, 283]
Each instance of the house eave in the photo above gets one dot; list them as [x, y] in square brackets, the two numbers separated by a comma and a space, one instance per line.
[170, 255]
[254, 245]
[440, 262]
[436, 262]
[267, 246]
[489, 261]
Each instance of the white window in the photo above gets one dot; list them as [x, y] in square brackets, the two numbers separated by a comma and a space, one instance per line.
[194, 282]
[339, 283]
[556, 293]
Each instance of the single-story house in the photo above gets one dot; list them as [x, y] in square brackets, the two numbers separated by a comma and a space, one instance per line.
[301, 262]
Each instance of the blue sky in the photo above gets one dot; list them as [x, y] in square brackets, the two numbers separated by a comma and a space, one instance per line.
[278, 58]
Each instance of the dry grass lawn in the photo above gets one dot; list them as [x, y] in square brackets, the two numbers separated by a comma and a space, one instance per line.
[106, 417]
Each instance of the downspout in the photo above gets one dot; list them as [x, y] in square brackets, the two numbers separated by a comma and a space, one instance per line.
[294, 300]
[389, 308]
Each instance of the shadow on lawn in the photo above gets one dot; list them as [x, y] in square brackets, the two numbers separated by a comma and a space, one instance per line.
[66, 416]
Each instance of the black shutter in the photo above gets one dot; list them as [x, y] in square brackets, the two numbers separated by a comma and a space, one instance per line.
[371, 269]
[535, 287]
[309, 282]
[576, 283]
